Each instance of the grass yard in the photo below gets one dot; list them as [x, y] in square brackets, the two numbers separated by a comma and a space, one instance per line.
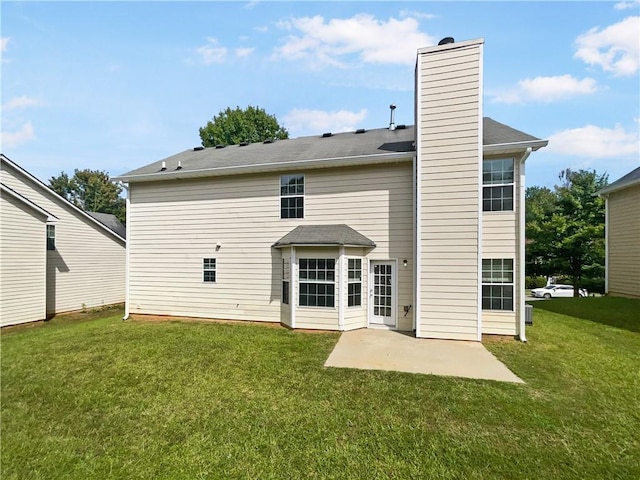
[101, 399]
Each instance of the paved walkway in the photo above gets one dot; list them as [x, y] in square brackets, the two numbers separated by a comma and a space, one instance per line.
[370, 349]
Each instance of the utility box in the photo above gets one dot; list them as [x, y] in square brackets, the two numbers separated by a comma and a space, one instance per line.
[528, 314]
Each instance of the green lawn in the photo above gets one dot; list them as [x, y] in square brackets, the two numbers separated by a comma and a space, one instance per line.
[101, 398]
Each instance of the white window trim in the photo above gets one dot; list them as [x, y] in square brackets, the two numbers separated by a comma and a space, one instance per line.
[501, 284]
[204, 269]
[349, 282]
[511, 184]
[303, 196]
[299, 280]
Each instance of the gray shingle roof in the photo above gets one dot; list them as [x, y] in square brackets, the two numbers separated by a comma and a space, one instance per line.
[341, 149]
[631, 178]
[324, 235]
[110, 221]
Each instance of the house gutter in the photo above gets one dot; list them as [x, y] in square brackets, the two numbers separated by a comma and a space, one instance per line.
[127, 253]
[522, 237]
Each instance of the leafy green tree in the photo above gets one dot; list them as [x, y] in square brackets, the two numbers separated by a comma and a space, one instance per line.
[540, 204]
[231, 127]
[569, 238]
[92, 191]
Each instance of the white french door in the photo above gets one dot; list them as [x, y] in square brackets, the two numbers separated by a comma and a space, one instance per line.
[382, 293]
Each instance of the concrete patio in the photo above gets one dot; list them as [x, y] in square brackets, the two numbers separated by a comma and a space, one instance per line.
[371, 349]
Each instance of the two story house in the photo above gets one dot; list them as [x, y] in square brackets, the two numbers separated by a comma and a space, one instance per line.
[54, 257]
[411, 227]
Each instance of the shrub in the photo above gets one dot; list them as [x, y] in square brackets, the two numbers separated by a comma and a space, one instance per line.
[535, 281]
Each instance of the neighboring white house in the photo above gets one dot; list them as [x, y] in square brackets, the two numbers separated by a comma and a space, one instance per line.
[622, 260]
[53, 256]
[408, 227]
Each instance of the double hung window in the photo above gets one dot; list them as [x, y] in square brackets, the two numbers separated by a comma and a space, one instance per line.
[497, 284]
[292, 196]
[354, 283]
[316, 282]
[51, 237]
[286, 279]
[497, 181]
[209, 270]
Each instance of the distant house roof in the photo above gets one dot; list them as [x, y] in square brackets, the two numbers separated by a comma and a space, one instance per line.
[320, 151]
[630, 179]
[110, 221]
[25, 201]
[324, 235]
[48, 191]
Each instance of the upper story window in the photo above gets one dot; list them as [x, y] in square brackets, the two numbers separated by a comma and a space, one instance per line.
[51, 237]
[317, 278]
[292, 196]
[497, 180]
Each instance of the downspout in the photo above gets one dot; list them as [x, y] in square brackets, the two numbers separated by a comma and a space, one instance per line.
[606, 244]
[341, 287]
[127, 252]
[521, 260]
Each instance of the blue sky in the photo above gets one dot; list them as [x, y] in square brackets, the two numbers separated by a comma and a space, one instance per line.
[114, 86]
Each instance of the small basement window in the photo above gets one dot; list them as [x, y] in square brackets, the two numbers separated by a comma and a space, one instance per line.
[209, 270]
[51, 237]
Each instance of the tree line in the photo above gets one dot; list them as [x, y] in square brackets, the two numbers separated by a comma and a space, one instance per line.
[565, 234]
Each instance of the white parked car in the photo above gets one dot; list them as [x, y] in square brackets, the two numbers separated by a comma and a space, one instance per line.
[552, 291]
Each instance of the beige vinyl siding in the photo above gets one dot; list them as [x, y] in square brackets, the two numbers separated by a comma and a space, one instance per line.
[175, 224]
[500, 240]
[624, 242]
[22, 263]
[87, 269]
[449, 136]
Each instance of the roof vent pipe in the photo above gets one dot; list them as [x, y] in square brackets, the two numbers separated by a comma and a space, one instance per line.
[164, 167]
[392, 125]
[179, 167]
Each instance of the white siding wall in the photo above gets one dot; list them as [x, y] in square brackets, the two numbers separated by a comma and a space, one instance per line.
[449, 131]
[175, 224]
[87, 269]
[500, 240]
[22, 263]
[624, 242]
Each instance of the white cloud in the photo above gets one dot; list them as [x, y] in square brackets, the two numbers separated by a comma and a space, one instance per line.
[4, 43]
[212, 53]
[251, 4]
[13, 139]
[261, 29]
[547, 89]
[626, 5]
[21, 102]
[416, 14]
[320, 121]
[595, 142]
[335, 42]
[244, 51]
[616, 48]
